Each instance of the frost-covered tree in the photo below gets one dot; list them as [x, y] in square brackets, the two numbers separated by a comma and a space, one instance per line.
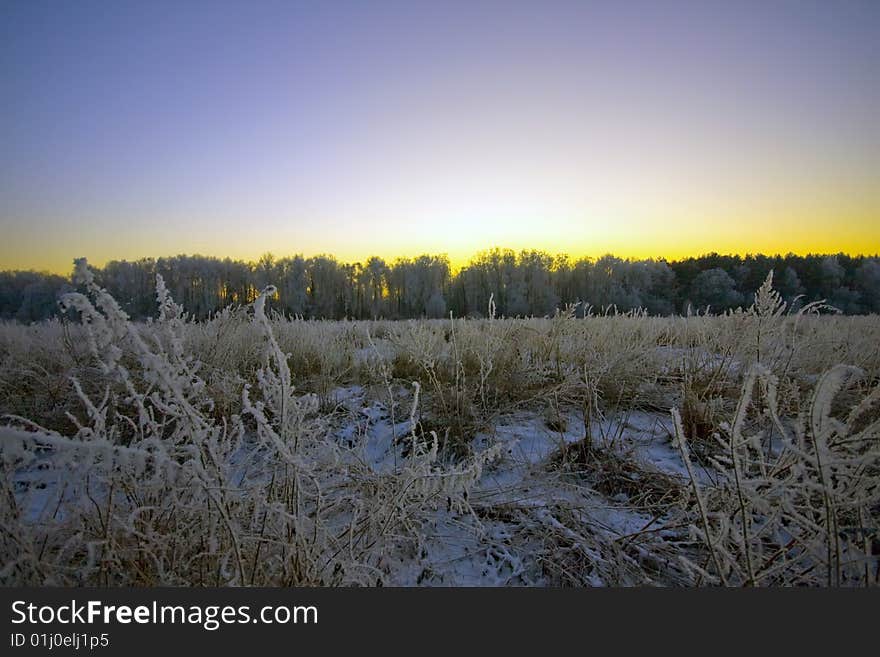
[867, 280]
[524, 283]
[788, 284]
[716, 289]
[435, 307]
[292, 281]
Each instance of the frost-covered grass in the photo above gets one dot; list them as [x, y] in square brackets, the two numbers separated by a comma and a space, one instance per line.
[249, 449]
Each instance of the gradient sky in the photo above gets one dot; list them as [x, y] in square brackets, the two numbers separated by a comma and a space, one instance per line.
[357, 128]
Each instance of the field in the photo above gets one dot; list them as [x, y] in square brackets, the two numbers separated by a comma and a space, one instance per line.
[251, 449]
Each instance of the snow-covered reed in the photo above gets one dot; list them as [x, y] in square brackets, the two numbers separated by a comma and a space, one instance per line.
[229, 451]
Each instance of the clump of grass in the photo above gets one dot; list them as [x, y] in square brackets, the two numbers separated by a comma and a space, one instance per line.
[618, 476]
[796, 514]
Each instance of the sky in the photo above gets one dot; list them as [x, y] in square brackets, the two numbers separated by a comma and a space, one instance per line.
[644, 129]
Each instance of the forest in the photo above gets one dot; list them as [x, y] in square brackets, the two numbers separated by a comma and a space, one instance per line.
[526, 283]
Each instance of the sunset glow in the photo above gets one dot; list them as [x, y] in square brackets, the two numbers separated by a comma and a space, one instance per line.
[646, 130]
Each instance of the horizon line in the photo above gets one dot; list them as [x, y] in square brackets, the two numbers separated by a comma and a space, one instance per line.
[453, 267]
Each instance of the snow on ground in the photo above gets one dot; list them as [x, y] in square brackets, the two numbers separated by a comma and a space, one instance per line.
[528, 437]
[515, 506]
[369, 428]
[475, 550]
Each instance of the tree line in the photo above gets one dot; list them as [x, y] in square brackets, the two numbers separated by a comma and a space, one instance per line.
[526, 283]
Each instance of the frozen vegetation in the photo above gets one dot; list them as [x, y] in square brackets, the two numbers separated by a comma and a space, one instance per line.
[527, 283]
[740, 449]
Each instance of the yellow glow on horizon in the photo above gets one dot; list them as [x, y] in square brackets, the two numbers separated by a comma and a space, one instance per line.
[679, 235]
[460, 206]
[459, 181]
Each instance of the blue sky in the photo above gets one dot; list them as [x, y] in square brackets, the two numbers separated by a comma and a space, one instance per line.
[644, 128]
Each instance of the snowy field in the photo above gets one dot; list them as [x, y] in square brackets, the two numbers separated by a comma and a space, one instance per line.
[251, 449]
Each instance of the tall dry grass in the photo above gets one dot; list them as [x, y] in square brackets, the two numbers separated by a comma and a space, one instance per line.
[206, 453]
